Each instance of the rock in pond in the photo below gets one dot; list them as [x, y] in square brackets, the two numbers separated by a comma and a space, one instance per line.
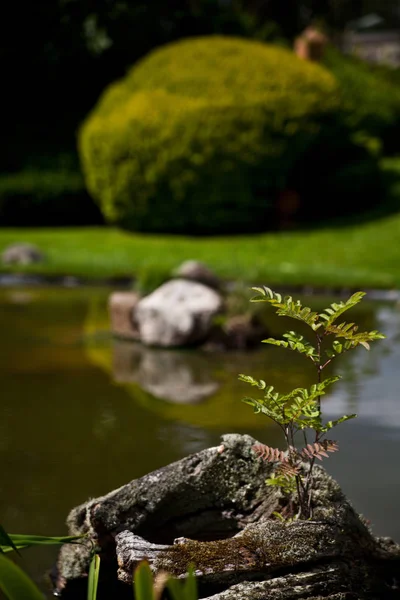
[179, 313]
[197, 271]
[214, 510]
[21, 253]
[121, 306]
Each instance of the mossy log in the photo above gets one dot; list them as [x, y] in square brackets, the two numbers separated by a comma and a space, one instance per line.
[212, 509]
[271, 559]
[211, 494]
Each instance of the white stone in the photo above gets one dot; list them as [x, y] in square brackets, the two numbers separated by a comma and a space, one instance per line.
[21, 254]
[178, 313]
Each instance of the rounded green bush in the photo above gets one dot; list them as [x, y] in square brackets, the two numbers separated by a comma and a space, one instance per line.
[201, 135]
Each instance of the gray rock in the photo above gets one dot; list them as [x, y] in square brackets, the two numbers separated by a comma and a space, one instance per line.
[178, 313]
[218, 501]
[21, 254]
[197, 271]
[121, 307]
[172, 375]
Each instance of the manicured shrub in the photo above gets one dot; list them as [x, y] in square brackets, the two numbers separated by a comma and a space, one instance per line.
[45, 197]
[201, 135]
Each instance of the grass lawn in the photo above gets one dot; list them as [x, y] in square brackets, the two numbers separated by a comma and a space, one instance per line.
[356, 256]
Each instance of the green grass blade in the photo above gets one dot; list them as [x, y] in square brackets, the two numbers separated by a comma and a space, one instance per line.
[18, 541]
[183, 590]
[191, 585]
[15, 584]
[4, 549]
[143, 580]
[175, 589]
[93, 580]
[6, 541]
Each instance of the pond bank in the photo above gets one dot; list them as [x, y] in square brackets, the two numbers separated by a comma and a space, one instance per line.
[354, 255]
[66, 281]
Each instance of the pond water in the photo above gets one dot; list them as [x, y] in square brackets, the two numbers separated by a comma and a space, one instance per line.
[82, 414]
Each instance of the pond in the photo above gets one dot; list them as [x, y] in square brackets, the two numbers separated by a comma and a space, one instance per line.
[82, 414]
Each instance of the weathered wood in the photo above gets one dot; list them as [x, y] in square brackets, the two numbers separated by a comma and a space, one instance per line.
[307, 551]
[221, 493]
[213, 493]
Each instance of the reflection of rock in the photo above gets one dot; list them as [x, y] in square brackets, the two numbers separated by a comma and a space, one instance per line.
[121, 306]
[176, 376]
[21, 254]
[178, 313]
[20, 297]
[197, 271]
[218, 498]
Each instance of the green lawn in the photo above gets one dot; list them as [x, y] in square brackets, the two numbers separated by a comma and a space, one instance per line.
[364, 255]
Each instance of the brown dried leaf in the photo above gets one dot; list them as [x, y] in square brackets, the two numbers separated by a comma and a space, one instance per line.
[319, 449]
[270, 454]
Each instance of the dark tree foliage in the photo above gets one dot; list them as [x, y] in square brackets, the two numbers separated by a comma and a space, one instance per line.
[57, 55]
[78, 46]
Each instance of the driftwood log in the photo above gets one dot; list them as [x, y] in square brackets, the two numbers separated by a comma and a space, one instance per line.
[212, 509]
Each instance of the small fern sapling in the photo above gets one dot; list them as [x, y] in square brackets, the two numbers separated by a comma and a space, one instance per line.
[299, 411]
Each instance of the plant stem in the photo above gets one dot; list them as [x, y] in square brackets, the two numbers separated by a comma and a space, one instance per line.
[309, 478]
[319, 368]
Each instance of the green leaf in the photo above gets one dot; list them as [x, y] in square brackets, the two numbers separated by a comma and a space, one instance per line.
[287, 307]
[265, 294]
[336, 309]
[191, 585]
[327, 426]
[174, 588]
[256, 404]
[248, 379]
[299, 405]
[261, 406]
[286, 482]
[276, 342]
[273, 481]
[348, 331]
[278, 516]
[143, 579]
[337, 347]
[183, 590]
[93, 579]
[24, 541]
[295, 342]
[6, 541]
[15, 584]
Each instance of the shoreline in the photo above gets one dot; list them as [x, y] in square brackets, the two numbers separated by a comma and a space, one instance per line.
[9, 280]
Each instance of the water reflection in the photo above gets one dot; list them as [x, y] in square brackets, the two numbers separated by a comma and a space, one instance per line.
[182, 377]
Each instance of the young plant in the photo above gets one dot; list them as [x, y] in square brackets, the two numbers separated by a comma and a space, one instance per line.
[299, 411]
